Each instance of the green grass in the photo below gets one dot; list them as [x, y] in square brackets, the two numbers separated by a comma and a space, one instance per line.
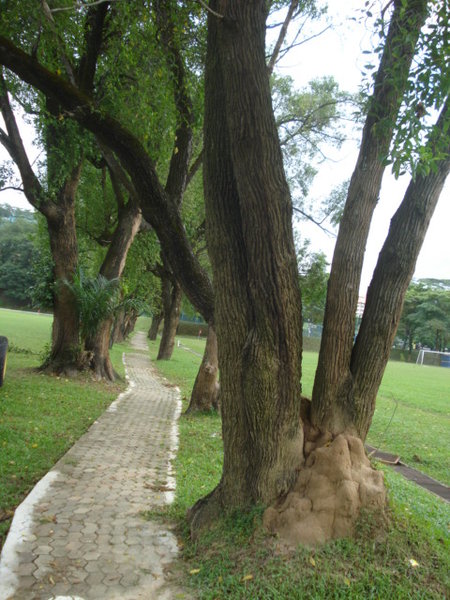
[237, 560]
[411, 419]
[41, 416]
[412, 415]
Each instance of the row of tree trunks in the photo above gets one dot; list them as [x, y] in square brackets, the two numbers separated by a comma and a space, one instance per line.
[124, 324]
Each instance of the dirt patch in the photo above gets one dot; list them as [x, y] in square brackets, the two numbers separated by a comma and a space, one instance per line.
[335, 484]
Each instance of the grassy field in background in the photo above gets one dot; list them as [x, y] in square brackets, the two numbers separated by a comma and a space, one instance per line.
[40, 416]
[406, 558]
[412, 416]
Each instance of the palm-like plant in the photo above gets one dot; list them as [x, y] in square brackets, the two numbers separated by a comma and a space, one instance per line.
[97, 298]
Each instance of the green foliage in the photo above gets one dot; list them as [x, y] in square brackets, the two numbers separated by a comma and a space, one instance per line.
[138, 280]
[426, 316]
[416, 147]
[313, 276]
[308, 120]
[17, 229]
[96, 299]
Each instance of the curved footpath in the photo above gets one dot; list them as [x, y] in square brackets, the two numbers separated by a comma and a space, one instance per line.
[80, 533]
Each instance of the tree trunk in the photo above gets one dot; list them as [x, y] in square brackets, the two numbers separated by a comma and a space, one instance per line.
[392, 275]
[205, 393]
[60, 217]
[123, 325]
[154, 327]
[117, 329]
[98, 347]
[65, 351]
[171, 296]
[112, 267]
[250, 242]
[333, 380]
[129, 324]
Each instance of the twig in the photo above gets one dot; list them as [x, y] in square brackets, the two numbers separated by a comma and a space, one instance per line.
[213, 12]
[282, 36]
[318, 223]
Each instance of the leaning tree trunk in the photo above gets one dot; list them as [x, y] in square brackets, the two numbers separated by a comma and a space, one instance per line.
[171, 295]
[333, 380]
[391, 278]
[250, 242]
[123, 325]
[154, 327]
[112, 267]
[205, 393]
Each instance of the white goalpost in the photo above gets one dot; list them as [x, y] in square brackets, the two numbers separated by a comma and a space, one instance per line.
[433, 358]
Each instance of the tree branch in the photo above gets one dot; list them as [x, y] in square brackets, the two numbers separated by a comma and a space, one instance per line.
[179, 162]
[213, 12]
[12, 187]
[318, 223]
[93, 37]
[12, 141]
[195, 167]
[80, 5]
[282, 36]
[156, 208]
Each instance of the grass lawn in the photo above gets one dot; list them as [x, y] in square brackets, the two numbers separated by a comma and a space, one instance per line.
[40, 416]
[412, 416]
[407, 558]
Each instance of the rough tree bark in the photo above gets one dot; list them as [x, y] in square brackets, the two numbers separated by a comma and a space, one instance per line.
[65, 351]
[250, 242]
[171, 298]
[333, 380]
[205, 393]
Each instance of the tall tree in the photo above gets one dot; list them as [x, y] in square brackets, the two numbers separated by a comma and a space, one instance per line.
[56, 199]
[333, 377]
[256, 306]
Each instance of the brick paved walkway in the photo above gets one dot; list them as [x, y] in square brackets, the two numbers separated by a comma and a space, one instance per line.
[81, 533]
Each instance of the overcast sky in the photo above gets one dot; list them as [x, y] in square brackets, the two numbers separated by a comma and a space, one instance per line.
[338, 52]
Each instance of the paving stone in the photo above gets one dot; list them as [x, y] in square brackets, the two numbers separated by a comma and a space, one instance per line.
[87, 537]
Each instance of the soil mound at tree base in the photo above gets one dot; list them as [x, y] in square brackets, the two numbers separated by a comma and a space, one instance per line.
[335, 484]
